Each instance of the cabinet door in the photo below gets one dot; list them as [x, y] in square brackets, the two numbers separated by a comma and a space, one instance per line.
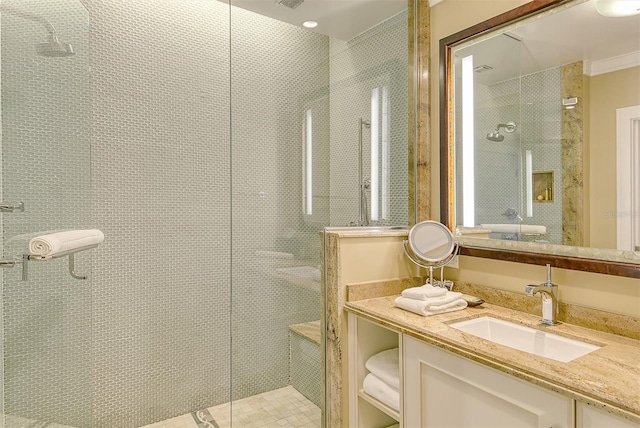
[443, 389]
[590, 417]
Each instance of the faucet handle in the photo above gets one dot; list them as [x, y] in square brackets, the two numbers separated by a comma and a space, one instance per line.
[548, 283]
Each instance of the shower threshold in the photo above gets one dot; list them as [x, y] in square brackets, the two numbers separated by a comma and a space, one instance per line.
[284, 407]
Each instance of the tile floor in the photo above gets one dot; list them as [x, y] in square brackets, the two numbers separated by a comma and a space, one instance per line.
[280, 408]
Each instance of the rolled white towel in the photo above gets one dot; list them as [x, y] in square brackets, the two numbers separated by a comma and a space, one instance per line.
[60, 242]
[386, 366]
[424, 292]
[424, 308]
[527, 229]
[382, 391]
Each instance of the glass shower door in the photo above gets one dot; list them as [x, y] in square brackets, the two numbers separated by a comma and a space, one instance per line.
[46, 316]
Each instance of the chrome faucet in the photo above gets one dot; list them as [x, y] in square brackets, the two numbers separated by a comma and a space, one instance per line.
[547, 290]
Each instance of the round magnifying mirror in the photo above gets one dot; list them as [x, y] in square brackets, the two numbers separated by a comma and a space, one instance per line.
[431, 241]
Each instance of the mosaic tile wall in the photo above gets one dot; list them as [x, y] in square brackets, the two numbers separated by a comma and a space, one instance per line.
[375, 59]
[533, 102]
[47, 324]
[306, 367]
[201, 205]
[541, 133]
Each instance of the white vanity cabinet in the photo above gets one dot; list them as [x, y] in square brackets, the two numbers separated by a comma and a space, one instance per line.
[365, 340]
[439, 388]
[590, 417]
[443, 389]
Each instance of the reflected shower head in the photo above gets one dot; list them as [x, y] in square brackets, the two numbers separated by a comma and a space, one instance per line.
[53, 47]
[497, 136]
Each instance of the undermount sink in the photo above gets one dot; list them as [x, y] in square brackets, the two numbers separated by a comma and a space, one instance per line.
[525, 339]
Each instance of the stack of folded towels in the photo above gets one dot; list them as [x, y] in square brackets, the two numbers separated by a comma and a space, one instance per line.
[383, 380]
[429, 300]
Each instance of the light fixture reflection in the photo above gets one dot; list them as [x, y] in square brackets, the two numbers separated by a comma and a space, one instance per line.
[617, 8]
[468, 136]
[309, 24]
[529, 182]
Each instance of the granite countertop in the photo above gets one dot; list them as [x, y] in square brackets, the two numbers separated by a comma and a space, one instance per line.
[608, 378]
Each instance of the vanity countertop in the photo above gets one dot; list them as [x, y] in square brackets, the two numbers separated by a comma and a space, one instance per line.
[608, 378]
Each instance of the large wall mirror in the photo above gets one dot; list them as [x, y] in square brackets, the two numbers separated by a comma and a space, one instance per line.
[540, 136]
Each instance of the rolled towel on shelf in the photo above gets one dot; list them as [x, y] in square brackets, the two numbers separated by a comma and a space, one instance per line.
[386, 366]
[64, 242]
[424, 292]
[381, 391]
[431, 307]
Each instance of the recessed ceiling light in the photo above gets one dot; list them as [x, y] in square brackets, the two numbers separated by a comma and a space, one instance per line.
[615, 8]
[309, 24]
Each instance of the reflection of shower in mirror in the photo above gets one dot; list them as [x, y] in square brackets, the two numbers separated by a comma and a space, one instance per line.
[497, 136]
[53, 46]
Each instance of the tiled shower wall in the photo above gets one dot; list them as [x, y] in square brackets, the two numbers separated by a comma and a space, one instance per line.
[192, 197]
[375, 59]
[185, 148]
[204, 198]
[47, 323]
[160, 172]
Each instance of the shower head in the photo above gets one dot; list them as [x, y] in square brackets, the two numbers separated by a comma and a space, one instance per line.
[497, 136]
[53, 47]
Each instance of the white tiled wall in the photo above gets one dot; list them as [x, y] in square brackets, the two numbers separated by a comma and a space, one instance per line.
[184, 146]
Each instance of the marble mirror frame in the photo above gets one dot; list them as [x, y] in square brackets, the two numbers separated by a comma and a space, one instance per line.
[576, 258]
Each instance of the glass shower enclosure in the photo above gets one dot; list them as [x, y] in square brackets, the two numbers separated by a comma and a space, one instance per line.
[210, 144]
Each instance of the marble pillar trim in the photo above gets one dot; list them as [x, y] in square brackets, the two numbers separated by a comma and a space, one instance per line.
[422, 105]
[331, 321]
[595, 319]
[572, 157]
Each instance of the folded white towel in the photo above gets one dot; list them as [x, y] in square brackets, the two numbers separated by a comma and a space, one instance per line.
[425, 308]
[386, 366]
[448, 297]
[55, 243]
[381, 391]
[424, 292]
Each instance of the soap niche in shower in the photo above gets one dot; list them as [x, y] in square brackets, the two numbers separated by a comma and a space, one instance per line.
[543, 190]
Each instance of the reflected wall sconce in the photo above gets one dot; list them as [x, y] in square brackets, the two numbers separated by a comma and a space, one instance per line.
[617, 8]
[569, 102]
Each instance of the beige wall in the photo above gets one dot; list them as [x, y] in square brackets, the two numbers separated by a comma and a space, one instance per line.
[374, 259]
[609, 293]
[608, 92]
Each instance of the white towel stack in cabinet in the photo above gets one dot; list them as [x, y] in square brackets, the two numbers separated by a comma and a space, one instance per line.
[374, 365]
[383, 380]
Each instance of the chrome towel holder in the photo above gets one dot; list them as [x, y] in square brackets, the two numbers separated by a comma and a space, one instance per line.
[26, 258]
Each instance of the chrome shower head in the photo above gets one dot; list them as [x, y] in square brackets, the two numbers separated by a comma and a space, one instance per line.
[497, 136]
[53, 47]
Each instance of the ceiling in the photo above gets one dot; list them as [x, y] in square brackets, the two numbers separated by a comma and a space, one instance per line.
[340, 19]
[573, 34]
